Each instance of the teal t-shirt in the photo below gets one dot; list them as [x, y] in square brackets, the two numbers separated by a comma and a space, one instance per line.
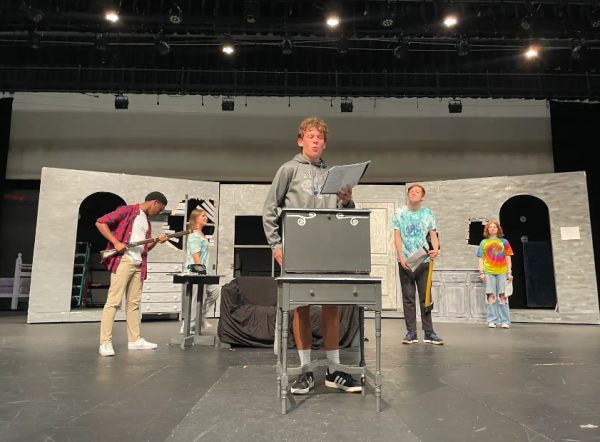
[197, 244]
[414, 227]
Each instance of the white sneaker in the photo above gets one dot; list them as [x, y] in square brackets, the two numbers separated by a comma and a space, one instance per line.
[491, 325]
[107, 349]
[141, 344]
[505, 325]
[206, 325]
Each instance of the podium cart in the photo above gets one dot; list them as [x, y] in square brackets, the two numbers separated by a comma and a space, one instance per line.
[327, 261]
[189, 280]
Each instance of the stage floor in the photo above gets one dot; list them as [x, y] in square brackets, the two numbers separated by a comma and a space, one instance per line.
[532, 382]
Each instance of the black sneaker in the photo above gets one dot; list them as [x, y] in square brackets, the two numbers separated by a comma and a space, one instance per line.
[343, 381]
[410, 338]
[304, 383]
[432, 338]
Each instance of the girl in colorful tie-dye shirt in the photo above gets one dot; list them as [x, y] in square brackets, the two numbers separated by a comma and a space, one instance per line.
[495, 267]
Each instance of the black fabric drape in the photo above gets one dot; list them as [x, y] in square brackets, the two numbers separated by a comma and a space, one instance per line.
[575, 145]
[5, 121]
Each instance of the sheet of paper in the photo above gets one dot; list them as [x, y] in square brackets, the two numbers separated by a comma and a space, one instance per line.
[342, 176]
[569, 233]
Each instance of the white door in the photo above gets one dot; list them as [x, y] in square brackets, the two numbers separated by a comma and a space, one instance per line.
[383, 252]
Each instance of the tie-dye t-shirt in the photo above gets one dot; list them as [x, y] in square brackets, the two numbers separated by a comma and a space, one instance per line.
[414, 227]
[494, 252]
[197, 244]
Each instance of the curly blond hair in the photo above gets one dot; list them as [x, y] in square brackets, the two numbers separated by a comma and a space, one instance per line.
[313, 123]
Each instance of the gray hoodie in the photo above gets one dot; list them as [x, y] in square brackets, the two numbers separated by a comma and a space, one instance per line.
[297, 184]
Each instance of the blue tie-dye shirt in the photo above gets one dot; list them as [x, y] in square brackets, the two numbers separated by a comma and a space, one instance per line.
[197, 244]
[414, 227]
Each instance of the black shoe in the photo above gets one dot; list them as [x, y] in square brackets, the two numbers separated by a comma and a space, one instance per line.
[432, 338]
[343, 381]
[410, 338]
[304, 383]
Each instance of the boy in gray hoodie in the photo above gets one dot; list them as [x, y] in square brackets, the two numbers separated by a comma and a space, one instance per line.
[298, 184]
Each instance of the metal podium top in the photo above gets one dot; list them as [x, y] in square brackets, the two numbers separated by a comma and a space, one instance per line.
[326, 241]
[194, 278]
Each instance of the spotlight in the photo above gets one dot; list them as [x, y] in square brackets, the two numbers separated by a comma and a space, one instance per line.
[526, 23]
[228, 104]
[342, 45]
[388, 16]
[111, 16]
[161, 46]
[401, 50]
[101, 41]
[175, 15]
[578, 49]
[287, 47]
[594, 17]
[34, 14]
[333, 15]
[463, 48]
[532, 52]
[455, 106]
[347, 105]
[121, 102]
[228, 44]
[450, 20]
[251, 11]
[35, 40]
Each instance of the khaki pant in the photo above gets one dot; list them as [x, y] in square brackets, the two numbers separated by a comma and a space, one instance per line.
[127, 279]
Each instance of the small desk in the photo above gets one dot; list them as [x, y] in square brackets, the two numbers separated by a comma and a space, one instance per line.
[189, 280]
[300, 290]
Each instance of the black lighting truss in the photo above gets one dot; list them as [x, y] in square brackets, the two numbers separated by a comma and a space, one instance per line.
[331, 84]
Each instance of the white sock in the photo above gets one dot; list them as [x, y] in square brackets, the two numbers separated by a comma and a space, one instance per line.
[333, 355]
[304, 357]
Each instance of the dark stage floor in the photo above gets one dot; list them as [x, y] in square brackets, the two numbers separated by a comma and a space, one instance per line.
[529, 383]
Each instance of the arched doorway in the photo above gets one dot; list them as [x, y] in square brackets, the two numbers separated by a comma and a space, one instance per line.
[90, 279]
[526, 223]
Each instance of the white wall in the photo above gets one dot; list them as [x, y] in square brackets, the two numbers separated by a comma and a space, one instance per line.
[407, 140]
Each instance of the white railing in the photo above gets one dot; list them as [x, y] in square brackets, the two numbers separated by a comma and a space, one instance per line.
[22, 271]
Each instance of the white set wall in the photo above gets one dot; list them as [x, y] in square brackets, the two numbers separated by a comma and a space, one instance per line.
[406, 139]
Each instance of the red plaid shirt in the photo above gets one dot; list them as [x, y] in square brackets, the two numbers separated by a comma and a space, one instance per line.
[120, 222]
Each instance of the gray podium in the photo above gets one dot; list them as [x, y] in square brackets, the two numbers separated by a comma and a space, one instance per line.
[189, 280]
[326, 261]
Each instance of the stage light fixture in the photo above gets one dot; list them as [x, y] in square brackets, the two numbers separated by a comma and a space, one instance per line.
[526, 23]
[35, 40]
[578, 50]
[455, 106]
[387, 17]
[333, 15]
[532, 52]
[347, 105]
[161, 46]
[228, 44]
[342, 45]
[112, 16]
[175, 14]
[251, 11]
[121, 102]
[401, 50]
[287, 46]
[227, 104]
[594, 17]
[463, 48]
[450, 20]
[34, 14]
[101, 41]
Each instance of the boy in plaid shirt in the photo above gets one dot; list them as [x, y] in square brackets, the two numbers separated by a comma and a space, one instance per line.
[129, 267]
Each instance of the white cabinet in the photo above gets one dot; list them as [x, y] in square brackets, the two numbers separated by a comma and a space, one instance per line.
[159, 294]
[455, 300]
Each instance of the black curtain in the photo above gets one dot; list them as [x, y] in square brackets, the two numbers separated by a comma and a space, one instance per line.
[5, 119]
[575, 144]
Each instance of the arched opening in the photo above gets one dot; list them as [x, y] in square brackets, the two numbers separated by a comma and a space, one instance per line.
[90, 279]
[525, 220]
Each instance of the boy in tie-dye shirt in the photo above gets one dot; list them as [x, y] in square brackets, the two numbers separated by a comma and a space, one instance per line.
[495, 268]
